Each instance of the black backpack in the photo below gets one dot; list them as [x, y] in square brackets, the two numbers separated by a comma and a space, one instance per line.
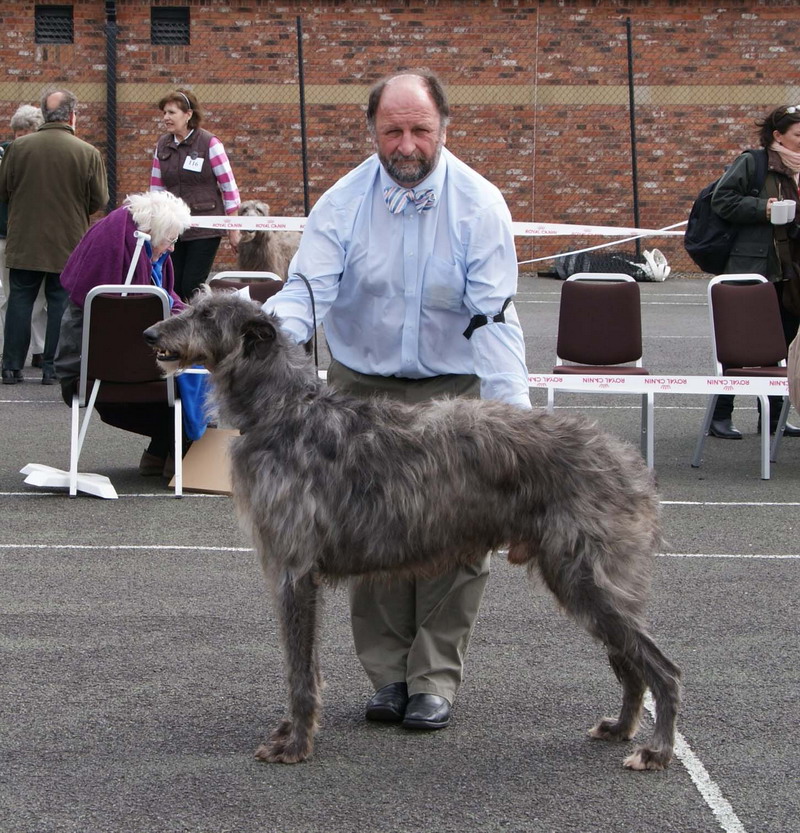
[708, 238]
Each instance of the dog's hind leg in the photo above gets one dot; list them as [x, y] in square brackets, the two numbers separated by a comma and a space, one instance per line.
[633, 688]
[297, 604]
[611, 615]
[663, 678]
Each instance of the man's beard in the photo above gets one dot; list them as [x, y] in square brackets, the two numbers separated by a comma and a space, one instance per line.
[404, 174]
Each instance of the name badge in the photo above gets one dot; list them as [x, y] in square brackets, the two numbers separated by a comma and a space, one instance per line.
[193, 163]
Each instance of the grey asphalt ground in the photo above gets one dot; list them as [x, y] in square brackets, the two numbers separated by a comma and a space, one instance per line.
[140, 664]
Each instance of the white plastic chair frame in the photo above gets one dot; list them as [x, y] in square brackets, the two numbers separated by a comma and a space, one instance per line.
[768, 453]
[79, 428]
[647, 429]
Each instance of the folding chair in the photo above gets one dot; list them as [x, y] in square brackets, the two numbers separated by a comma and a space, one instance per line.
[117, 366]
[262, 285]
[747, 340]
[600, 333]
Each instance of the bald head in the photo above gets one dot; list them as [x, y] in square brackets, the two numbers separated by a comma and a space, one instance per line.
[421, 80]
[59, 106]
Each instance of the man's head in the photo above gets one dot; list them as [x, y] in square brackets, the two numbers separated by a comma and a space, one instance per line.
[407, 115]
[59, 106]
[25, 120]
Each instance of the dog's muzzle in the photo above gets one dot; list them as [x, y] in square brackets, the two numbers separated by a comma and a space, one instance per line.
[162, 356]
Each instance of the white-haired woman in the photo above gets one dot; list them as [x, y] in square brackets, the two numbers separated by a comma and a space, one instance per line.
[104, 256]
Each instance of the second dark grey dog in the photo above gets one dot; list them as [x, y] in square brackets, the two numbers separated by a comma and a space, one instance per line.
[331, 486]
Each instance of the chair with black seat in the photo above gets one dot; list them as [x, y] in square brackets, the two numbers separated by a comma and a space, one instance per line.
[747, 340]
[117, 366]
[600, 334]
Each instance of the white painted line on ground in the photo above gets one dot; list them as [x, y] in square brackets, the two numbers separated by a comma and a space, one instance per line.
[729, 503]
[159, 547]
[190, 548]
[755, 556]
[165, 494]
[708, 789]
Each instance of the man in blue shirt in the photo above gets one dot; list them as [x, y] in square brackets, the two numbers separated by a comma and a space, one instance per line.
[411, 261]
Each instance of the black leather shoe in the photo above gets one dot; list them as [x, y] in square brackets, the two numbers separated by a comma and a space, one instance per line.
[724, 429]
[388, 704]
[37, 360]
[12, 377]
[426, 711]
[49, 377]
[789, 430]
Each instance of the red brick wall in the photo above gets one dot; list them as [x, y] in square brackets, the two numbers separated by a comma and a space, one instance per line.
[540, 100]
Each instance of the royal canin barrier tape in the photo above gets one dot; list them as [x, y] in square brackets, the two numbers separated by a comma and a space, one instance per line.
[752, 385]
[520, 229]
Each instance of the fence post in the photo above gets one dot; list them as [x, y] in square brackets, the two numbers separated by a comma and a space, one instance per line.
[632, 112]
[303, 135]
[111, 102]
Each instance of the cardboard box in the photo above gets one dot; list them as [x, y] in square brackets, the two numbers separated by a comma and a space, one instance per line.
[206, 466]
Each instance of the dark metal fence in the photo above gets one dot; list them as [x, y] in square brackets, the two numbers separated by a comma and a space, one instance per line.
[579, 115]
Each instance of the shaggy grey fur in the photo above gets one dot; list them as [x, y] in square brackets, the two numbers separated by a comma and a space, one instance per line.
[265, 251]
[331, 486]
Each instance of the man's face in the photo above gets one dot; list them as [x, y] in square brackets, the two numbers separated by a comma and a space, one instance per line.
[408, 131]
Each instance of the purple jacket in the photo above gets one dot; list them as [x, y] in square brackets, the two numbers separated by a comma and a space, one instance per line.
[104, 255]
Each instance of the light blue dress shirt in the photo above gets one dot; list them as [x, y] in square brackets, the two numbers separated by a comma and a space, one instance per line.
[395, 292]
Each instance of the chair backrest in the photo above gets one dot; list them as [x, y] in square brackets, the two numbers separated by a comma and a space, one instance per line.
[262, 285]
[113, 348]
[600, 320]
[746, 322]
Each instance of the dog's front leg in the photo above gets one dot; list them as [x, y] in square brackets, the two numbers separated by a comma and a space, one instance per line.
[297, 603]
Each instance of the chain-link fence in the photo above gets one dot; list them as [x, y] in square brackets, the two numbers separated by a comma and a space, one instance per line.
[541, 94]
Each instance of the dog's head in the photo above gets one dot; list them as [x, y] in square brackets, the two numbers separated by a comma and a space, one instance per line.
[214, 327]
[252, 208]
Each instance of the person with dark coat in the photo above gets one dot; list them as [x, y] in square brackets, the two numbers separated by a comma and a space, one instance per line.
[53, 182]
[763, 248]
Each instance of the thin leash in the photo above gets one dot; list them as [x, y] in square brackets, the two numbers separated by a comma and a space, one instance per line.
[313, 317]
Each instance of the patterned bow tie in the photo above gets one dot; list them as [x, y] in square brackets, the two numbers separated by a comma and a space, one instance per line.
[398, 197]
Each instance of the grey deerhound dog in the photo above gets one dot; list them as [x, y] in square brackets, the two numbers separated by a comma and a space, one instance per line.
[331, 486]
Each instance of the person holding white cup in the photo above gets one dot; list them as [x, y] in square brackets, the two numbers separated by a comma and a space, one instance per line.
[768, 234]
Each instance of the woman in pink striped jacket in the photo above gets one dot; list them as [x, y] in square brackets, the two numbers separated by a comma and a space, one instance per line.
[191, 163]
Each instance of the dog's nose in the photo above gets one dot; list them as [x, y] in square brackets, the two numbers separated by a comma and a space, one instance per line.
[150, 335]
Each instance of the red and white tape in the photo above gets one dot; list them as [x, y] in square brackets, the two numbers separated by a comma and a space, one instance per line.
[752, 385]
[252, 223]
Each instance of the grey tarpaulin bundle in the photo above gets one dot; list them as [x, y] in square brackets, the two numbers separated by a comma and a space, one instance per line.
[649, 266]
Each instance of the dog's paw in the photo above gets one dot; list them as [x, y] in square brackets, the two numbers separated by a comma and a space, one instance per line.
[643, 759]
[610, 729]
[293, 751]
[285, 746]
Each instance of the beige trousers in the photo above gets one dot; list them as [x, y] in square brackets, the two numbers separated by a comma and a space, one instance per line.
[414, 630]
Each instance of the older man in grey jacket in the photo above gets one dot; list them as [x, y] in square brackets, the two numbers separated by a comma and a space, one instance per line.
[53, 182]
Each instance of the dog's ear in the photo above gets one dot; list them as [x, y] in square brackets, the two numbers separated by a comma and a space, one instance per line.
[258, 336]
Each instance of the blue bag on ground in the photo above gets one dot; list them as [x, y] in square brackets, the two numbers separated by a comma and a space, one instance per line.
[193, 388]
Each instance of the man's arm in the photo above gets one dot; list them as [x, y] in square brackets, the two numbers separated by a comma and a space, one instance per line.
[498, 345]
[320, 259]
[98, 184]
